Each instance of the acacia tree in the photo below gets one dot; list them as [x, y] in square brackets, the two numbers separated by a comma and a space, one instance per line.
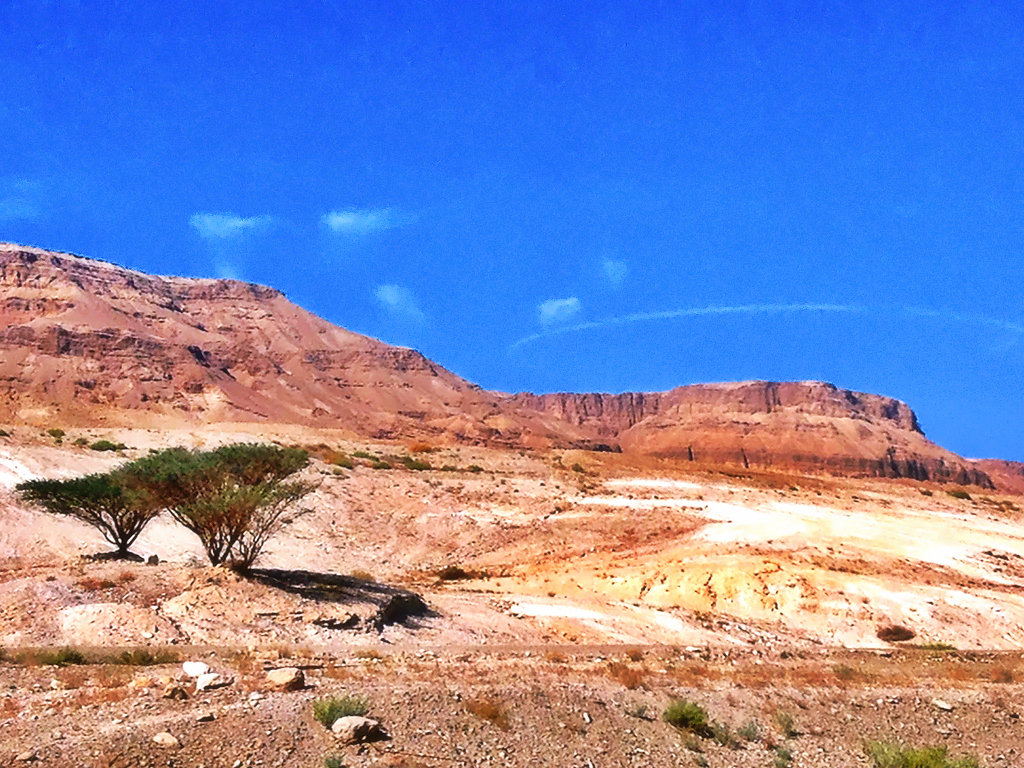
[234, 498]
[103, 501]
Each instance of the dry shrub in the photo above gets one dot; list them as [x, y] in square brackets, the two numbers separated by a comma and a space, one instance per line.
[335, 672]
[93, 584]
[894, 633]
[368, 654]
[1001, 674]
[112, 677]
[635, 655]
[72, 677]
[489, 710]
[90, 696]
[9, 708]
[627, 676]
[420, 447]
[125, 576]
[556, 657]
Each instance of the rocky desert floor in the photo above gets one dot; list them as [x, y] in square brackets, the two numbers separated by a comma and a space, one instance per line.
[570, 596]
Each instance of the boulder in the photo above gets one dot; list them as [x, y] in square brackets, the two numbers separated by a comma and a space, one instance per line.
[164, 739]
[195, 668]
[286, 679]
[353, 729]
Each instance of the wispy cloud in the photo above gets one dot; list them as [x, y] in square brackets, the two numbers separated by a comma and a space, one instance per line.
[1014, 330]
[399, 302]
[362, 221]
[224, 226]
[615, 271]
[555, 311]
[20, 200]
[646, 317]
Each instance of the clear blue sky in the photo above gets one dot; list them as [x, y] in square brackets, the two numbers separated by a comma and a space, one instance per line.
[561, 196]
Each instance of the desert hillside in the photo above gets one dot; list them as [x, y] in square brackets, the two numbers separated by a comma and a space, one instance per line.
[88, 343]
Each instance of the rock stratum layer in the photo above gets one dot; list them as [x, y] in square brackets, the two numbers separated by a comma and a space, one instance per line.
[90, 343]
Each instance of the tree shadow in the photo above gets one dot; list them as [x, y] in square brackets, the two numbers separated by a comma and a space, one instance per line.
[394, 605]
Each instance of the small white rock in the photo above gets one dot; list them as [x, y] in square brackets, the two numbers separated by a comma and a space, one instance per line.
[195, 668]
[945, 706]
[209, 681]
[164, 739]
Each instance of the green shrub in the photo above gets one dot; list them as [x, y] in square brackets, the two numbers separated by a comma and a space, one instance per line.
[750, 731]
[61, 657]
[327, 711]
[56, 434]
[887, 754]
[959, 494]
[379, 464]
[362, 455]
[415, 464]
[343, 461]
[688, 716]
[334, 761]
[787, 726]
[783, 757]
[107, 445]
[143, 657]
[81, 442]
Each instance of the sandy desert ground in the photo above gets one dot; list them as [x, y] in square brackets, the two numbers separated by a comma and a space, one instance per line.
[584, 591]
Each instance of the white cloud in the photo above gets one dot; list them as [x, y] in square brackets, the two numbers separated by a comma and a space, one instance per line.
[644, 317]
[557, 310]
[223, 226]
[361, 221]
[399, 302]
[615, 271]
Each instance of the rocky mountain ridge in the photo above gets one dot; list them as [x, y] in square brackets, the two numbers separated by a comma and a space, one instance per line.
[88, 342]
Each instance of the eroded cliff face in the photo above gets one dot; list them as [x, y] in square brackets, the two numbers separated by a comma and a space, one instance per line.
[84, 341]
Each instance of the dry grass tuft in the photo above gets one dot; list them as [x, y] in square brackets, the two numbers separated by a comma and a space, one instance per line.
[490, 710]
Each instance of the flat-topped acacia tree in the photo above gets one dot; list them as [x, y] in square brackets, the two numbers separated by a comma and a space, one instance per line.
[234, 498]
[104, 501]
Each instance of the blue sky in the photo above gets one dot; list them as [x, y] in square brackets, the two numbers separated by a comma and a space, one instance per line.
[561, 196]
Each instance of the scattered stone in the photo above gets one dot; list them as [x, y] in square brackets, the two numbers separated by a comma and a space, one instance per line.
[195, 668]
[206, 717]
[353, 729]
[152, 560]
[945, 706]
[398, 608]
[164, 739]
[175, 692]
[26, 757]
[286, 679]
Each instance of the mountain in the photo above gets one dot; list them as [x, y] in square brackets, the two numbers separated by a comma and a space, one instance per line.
[90, 343]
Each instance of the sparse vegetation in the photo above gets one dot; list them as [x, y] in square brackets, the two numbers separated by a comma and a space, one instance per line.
[414, 464]
[143, 657]
[234, 498]
[107, 445]
[786, 724]
[334, 761]
[490, 710]
[363, 455]
[327, 711]
[56, 433]
[475, 469]
[104, 501]
[80, 442]
[782, 757]
[887, 754]
[688, 716]
[750, 731]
